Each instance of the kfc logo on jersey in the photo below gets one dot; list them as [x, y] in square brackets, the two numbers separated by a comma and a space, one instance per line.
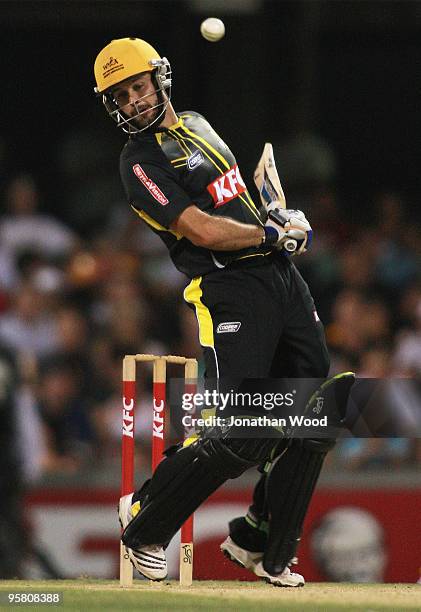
[227, 187]
[153, 189]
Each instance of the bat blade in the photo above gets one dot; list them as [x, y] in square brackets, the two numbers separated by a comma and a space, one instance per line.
[267, 180]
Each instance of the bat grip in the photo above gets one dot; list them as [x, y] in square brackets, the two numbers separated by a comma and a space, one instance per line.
[290, 245]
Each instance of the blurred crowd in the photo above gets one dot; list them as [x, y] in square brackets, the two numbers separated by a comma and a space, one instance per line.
[83, 286]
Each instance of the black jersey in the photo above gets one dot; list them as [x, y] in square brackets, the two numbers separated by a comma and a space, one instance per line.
[186, 164]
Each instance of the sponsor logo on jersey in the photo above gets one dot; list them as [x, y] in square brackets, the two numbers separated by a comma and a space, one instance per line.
[195, 160]
[228, 328]
[227, 186]
[153, 189]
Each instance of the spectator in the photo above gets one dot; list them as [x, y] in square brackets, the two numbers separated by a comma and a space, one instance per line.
[28, 328]
[345, 334]
[396, 266]
[65, 417]
[407, 357]
[25, 228]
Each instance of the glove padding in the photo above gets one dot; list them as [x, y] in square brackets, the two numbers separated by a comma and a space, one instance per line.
[284, 225]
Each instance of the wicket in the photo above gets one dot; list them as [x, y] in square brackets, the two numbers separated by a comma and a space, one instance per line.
[158, 445]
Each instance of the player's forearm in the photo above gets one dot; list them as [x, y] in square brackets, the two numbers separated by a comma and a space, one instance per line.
[223, 234]
[216, 233]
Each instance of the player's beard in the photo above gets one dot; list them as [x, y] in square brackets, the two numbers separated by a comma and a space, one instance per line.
[148, 115]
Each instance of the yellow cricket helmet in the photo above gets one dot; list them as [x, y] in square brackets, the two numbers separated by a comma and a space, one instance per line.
[122, 59]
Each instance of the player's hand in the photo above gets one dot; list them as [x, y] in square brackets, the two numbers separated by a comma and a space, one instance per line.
[299, 230]
[287, 229]
[275, 225]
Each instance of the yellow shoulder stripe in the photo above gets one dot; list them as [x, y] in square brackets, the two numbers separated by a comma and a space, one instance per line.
[208, 145]
[247, 201]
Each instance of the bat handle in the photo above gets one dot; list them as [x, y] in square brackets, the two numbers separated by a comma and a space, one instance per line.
[290, 245]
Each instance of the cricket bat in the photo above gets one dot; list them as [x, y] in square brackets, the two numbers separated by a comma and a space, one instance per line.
[267, 180]
[269, 186]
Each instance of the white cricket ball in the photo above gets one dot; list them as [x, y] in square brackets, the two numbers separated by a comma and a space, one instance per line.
[212, 29]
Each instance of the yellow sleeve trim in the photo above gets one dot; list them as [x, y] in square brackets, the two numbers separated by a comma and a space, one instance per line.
[154, 223]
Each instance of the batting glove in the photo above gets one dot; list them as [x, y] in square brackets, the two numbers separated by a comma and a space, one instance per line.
[287, 229]
[300, 230]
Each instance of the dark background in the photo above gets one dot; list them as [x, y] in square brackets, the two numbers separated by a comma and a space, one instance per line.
[336, 87]
[348, 72]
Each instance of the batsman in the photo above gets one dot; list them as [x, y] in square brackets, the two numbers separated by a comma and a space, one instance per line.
[255, 314]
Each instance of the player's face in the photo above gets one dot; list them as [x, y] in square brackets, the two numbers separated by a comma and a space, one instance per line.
[137, 99]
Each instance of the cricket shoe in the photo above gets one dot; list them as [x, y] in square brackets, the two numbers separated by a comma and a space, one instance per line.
[150, 560]
[253, 561]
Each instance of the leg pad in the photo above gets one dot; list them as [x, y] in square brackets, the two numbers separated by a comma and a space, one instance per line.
[185, 479]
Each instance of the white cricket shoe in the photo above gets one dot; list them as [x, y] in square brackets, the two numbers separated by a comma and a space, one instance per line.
[239, 555]
[253, 562]
[150, 560]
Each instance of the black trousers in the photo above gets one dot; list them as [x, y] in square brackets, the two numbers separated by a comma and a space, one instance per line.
[264, 322]
[257, 319]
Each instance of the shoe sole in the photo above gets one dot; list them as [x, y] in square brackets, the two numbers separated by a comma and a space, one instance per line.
[230, 557]
[282, 586]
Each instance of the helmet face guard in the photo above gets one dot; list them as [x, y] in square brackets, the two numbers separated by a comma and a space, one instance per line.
[124, 59]
[161, 76]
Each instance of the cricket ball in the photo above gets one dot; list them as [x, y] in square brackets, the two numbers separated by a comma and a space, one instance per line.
[212, 29]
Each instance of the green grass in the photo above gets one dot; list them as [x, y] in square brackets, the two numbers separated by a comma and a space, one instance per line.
[87, 594]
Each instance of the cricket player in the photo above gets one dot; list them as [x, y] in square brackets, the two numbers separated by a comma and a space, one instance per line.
[255, 315]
